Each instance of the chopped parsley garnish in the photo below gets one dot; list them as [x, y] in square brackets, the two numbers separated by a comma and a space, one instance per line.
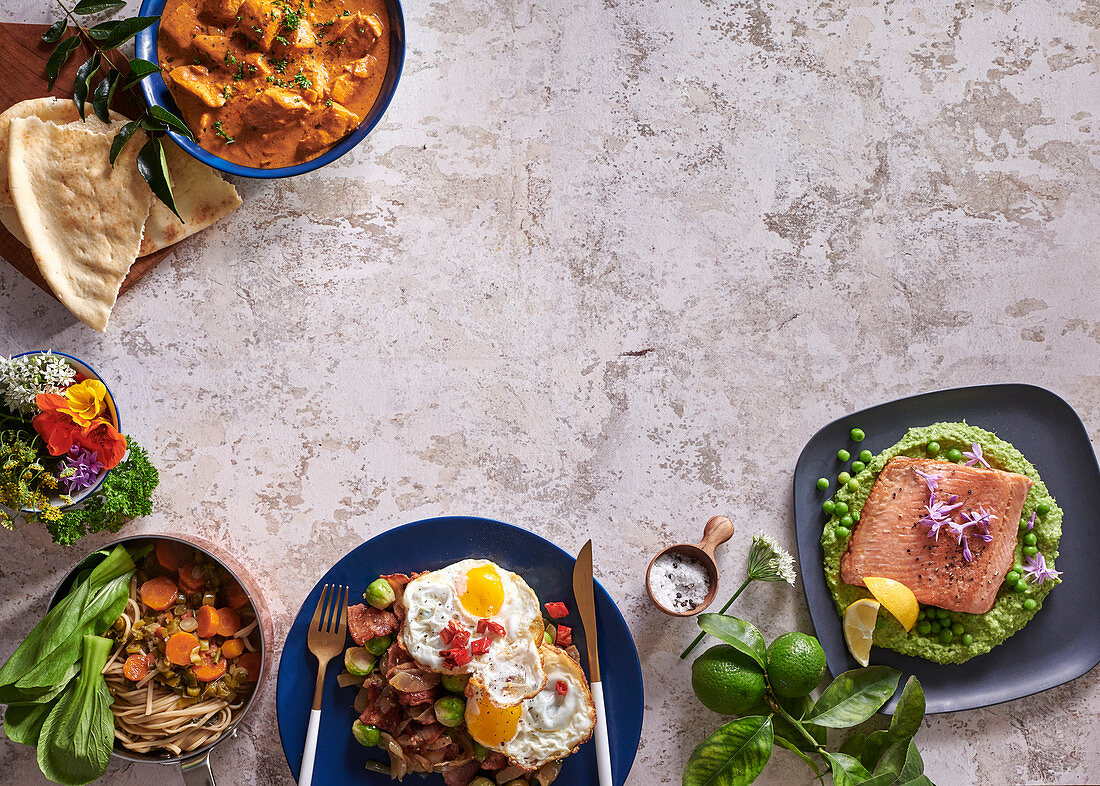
[281, 40]
[219, 131]
[229, 59]
[302, 81]
[276, 81]
[280, 65]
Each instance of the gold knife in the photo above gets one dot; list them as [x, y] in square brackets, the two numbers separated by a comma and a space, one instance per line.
[584, 593]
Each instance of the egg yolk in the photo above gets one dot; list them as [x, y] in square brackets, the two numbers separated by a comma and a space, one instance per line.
[491, 725]
[484, 593]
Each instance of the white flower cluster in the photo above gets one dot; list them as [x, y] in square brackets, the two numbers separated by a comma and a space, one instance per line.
[769, 562]
[23, 378]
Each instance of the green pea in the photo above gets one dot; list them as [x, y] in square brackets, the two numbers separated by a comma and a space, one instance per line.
[846, 520]
[1023, 526]
[840, 508]
[828, 506]
[946, 636]
[967, 639]
[365, 734]
[843, 532]
[843, 455]
[450, 711]
[1042, 508]
[1031, 604]
[379, 644]
[1021, 585]
[865, 456]
[822, 483]
[942, 614]
[856, 434]
[1031, 551]
[922, 614]
[932, 449]
[954, 455]
[455, 683]
[852, 485]
[843, 478]
[380, 594]
[957, 628]
[1030, 539]
[934, 627]
[924, 627]
[858, 466]
[1012, 577]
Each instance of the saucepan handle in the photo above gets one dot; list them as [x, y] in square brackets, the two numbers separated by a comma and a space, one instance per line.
[197, 772]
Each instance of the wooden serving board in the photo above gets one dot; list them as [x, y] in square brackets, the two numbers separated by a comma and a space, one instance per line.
[23, 58]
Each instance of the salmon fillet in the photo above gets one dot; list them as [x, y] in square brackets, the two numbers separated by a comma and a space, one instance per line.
[890, 542]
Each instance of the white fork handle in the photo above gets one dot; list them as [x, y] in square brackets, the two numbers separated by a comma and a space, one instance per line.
[603, 750]
[306, 776]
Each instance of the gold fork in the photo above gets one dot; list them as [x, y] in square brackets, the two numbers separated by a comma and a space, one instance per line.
[327, 632]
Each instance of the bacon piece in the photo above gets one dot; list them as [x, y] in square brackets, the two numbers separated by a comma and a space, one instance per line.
[366, 622]
[461, 774]
[494, 761]
[416, 699]
[564, 636]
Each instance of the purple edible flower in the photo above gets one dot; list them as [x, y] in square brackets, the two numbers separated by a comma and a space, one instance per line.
[974, 456]
[86, 467]
[938, 514]
[931, 478]
[1036, 570]
[980, 521]
[1031, 521]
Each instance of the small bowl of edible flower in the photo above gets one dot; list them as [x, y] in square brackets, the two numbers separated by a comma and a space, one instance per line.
[59, 436]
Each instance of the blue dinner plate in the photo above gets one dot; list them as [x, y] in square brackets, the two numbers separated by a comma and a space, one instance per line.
[1062, 641]
[429, 545]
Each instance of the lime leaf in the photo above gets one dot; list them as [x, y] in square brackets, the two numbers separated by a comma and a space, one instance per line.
[853, 746]
[902, 760]
[61, 54]
[877, 742]
[854, 696]
[847, 771]
[909, 713]
[734, 755]
[737, 633]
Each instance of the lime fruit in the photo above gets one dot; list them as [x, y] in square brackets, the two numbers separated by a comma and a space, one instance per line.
[796, 664]
[859, 628]
[727, 681]
[896, 598]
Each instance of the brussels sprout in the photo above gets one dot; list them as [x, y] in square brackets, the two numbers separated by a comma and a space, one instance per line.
[379, 644]
[380, 594]
[482, 781]
[455, 683]
[481, 753]
[358, 661]
[450, 710]
[365, 734]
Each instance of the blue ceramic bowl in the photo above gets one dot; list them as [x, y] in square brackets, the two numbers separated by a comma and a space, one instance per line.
[155, 92]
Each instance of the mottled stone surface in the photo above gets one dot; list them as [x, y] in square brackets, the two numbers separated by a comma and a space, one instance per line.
[604, 268]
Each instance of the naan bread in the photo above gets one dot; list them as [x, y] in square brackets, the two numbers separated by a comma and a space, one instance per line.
[201, 197]
[83, 218]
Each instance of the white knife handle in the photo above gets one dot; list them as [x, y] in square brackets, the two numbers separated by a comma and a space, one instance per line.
[306, 776]
[603, 749]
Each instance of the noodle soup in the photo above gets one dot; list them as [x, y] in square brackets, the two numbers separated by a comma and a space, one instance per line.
[188, 652]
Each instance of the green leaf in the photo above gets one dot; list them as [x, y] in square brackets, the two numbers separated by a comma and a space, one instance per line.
[853, 746]
[86, 7]
[110, 35]
[120, 140]
[154, 168]
[877, 742]
[734, 755]
[902, 759]
[883, 779]
[83, 81]
[55, 31]
[920, 780]
[139, 69]
[854, 696]
[74, 746]
[740, 635]
[61, 54]
[171, 121]
[23, 722]
[104, 92]
[847, 771]
[909, 713]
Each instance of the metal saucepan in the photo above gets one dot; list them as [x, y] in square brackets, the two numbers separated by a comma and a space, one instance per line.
[195, 765]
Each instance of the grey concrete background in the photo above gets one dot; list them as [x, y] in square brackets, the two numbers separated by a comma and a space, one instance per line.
[602, 270]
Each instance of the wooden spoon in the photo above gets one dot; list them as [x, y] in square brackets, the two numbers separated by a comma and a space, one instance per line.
[718, 530]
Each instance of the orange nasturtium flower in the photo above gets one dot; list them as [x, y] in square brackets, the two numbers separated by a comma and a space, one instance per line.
[60, 431]
[86, 401]
[104, 439]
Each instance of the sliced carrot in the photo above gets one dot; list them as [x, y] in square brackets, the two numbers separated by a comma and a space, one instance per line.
[232, 648]
[189, 581]
[208, 670]
[170, 554]
[229, 622]
[250, 661]
[234, 595]
[159, 593]
[179, 648]
[135, 667]
[209, 619]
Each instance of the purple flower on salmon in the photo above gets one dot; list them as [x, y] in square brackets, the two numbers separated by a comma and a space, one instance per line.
[1036, 571]
[1031, 521]
[938, 515]
[974, 456]
[979, 521]
[931, 478]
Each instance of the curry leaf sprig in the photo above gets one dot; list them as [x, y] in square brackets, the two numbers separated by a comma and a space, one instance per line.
[104, 39]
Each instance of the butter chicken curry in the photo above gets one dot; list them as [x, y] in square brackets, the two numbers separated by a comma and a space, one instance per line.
[272, 83]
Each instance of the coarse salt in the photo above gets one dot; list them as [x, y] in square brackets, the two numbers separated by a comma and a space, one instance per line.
[679, 582]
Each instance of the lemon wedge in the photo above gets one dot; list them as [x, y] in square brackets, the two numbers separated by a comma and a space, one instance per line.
[898, 599]
[859, 627]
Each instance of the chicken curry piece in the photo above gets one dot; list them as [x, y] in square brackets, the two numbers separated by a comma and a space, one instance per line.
[272, 83]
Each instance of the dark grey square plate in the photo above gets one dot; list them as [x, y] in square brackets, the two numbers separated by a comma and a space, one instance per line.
[1062, 642]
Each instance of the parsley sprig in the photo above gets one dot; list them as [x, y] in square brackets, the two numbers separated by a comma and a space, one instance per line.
[104, 39]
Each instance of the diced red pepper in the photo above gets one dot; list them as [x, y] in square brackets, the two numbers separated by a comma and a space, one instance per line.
[479, 646]
[564, 637]
[557, 610]
[456, 656]
[562, 687]
[489, 625]
[453, 634]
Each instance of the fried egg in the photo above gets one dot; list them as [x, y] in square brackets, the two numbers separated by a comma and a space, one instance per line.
[548, 726]
[462, 595]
